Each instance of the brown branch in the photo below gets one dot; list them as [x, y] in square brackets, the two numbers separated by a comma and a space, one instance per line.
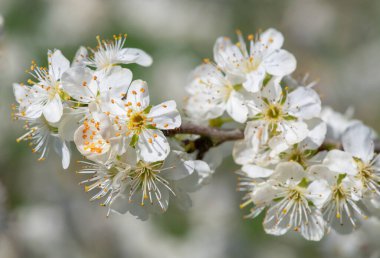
[221, 135]
[212, 136]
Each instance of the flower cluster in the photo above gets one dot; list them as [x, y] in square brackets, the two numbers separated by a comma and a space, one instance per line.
[95, 103]
[311, 169]
[285, 168]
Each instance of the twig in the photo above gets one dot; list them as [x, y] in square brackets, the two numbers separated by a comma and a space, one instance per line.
[212, 136]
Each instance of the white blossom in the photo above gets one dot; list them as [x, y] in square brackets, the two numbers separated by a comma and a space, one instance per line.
[212, 94]
[110, 53]
[250, 66]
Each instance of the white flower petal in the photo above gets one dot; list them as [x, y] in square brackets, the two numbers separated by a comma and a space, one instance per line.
[79, 84]
[271, 39]
[179, 167]
[254, 80]
[138, 95]
[318, 192]
[294, 132]
[227, 55]
[304, 103]
[153, 146]
[357, 140]
[165, 115]
[58, 63]
[280, 62]
[116, 82]
[134, 55]
[254, 171]
[313, 228]
[80, 57]
[236, 107]
[340, 162]
[290, 172]
[53, 110]
[71, 120]
[316, 135]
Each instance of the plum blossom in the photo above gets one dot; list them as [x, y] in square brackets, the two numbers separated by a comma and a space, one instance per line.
[250, 66]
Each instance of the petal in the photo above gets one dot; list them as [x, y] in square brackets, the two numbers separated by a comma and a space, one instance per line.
[135, 55]
[263, 193]
[228, 56]
[205, 78]
[138, 95]
[20, 92]
[357, 140]
[65, 155]
[201, 107]
[80, 57]
[340, 162]
[180, 168]
[254, 80]
[313, 228]
[318, 192]
[58, 63]
[79, 83]
[316, 135]
[236, 107]
[71, 120]
[304, 103]
[116, 82]
[294, 132]
[271, 39]
[278, 221]
[289, 172]
[254, 171]
[165, 115]
[280, 62]
[53, 110]
[152, 146]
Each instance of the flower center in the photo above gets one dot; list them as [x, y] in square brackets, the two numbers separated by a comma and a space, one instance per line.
[146, 178]
[136, 121]
[274, 112]
[252, 64]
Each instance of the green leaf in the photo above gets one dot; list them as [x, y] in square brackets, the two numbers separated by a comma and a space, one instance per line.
[134, 141]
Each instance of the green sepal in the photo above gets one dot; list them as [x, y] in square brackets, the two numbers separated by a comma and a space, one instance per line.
[134, 141]
[304, 183]
[150, 127]
[284, 96]
[290, 118]
[267, 79]
[340, 178]
[147, 109]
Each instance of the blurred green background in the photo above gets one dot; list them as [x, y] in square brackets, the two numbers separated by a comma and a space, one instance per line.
[44, 213]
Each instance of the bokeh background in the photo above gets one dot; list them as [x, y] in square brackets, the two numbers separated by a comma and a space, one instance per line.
[43, 211]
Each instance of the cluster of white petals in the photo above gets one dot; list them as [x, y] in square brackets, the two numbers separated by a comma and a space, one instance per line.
[285, 171]
[95, 103]
[310, 169]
